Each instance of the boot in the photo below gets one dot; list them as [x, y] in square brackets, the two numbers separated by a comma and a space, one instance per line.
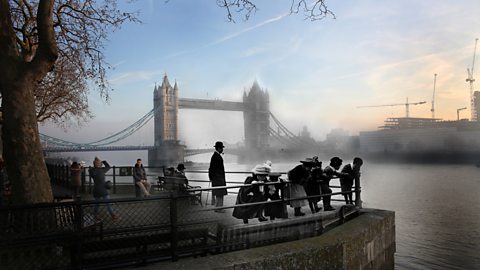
[298, 212]
[262, 218]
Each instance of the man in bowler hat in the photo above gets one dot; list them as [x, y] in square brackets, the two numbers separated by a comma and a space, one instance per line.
[216, 174]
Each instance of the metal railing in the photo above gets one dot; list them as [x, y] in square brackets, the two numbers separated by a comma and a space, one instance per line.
[166, 226]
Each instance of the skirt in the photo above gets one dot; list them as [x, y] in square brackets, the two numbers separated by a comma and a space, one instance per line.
[297, 191]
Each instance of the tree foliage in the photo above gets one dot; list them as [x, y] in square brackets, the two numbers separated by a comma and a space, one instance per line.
[81, 28]
[50, 52]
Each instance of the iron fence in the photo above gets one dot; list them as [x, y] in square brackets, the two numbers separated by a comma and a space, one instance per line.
[166, 226]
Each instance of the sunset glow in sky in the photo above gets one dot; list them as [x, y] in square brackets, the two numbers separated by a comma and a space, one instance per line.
[317, 73]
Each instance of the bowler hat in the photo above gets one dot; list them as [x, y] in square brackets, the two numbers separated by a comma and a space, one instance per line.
[219, 145]
[180, 167]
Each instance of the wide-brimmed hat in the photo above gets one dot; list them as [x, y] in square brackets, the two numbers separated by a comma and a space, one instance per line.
[311, 161]
[261, 169]
[219, 145]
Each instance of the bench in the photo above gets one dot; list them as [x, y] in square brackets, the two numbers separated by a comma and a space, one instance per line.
[179, 185]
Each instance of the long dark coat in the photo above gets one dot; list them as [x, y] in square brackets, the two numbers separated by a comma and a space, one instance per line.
[216, 174]
[248, 195]
[276, 210]
[98, 176]
[312, 187]
[347, 176]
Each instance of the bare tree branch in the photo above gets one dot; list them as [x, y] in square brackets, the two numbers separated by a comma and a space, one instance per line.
[313, 10]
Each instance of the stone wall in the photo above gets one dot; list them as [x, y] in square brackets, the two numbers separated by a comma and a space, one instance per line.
[366, 242]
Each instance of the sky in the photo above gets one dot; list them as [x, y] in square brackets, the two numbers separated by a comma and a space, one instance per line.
[317, 73]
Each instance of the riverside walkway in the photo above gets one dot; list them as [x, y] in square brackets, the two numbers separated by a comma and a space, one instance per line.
[163, 227]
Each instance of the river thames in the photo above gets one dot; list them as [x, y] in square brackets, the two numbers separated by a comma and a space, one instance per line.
[437, 208]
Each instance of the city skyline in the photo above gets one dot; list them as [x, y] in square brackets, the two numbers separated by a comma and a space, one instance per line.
[317, 73]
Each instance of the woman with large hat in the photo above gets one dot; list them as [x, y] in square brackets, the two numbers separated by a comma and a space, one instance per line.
[298, 177]
[252, 194]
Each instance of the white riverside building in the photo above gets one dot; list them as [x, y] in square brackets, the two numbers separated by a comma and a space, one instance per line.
[416, 135]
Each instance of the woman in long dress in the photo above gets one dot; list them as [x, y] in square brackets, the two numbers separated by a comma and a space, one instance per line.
[251, 194]
[298, 177]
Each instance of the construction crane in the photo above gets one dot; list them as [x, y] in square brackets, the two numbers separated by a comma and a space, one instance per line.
[433, 97]
[458, 112]
[406, 104]
[470, 80]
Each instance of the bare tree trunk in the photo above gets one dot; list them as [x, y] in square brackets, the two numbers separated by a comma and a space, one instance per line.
[22, 148]
[24, 160]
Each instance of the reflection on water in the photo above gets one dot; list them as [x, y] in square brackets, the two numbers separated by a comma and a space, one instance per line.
[437, 211]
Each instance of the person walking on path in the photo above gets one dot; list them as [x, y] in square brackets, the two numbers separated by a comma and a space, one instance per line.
[329, 172]
[347, 176]
[100, 189]
[76, 179]
[140, 178]
[216, 174]
[298, 177]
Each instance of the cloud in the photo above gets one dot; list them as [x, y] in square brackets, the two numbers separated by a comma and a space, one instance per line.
[246, 30]
[229, 37]
[134, 76]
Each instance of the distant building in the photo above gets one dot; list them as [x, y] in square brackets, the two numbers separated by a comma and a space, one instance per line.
[415, 135]
[476, 105]
[337, 140]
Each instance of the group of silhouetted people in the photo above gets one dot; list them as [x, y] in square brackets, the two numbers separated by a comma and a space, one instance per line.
[308, 183]
[309, 179]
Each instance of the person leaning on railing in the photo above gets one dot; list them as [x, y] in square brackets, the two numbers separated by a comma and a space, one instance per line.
[252, 194]
[347, 176]
[312, 187]
[329, 172]
[298, 176]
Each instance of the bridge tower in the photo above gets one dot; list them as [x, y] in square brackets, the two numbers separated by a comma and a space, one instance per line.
[168, 150]
[256, 118]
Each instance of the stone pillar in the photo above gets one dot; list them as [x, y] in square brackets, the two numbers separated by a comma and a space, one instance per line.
[168, 150]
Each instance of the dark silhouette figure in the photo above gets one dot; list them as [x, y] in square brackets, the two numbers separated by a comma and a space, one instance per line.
[347, 176]
[312, 187]
[216, 174]
[272, 192]
[252, 194]
[328, 173]
[100, 189]
[298, 177]
[76, 179]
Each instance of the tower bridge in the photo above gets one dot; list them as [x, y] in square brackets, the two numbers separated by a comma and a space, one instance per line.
[168, 150]
[166, 103]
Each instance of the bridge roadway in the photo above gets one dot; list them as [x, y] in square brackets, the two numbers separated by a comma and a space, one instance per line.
[188, 152]
[206, 104]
